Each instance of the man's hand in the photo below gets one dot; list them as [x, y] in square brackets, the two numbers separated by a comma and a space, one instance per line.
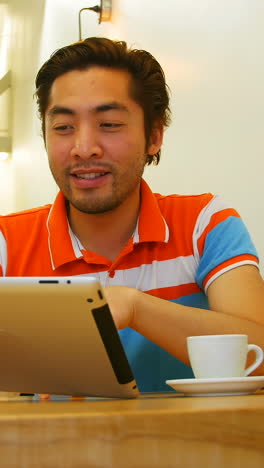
[122, 302]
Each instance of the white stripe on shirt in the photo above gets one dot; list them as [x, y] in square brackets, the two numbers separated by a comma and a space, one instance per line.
[158, 274]
[214, 206]
[3, 253]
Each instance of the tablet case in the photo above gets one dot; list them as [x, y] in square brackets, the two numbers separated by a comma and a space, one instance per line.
[57, 336]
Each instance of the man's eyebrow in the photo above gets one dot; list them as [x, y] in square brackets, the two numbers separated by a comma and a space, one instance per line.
[110, 106]
[56, 110]
[60, 110]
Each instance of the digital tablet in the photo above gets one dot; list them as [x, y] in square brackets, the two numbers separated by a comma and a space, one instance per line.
[57, 336]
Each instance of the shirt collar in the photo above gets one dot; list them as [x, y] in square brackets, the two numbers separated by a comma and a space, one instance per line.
[65, 247]
[151, 225]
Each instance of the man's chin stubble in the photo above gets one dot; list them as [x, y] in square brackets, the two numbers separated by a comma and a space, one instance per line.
[96, 208]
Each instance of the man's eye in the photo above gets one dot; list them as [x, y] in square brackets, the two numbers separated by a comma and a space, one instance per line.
[111, 125]
[62, 128]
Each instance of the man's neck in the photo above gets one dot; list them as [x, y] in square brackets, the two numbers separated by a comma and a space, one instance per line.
[106, 234]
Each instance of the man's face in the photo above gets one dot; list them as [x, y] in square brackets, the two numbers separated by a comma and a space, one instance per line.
[95, 138]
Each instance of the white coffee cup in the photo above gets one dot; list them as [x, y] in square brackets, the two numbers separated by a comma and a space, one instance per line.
[222, 356]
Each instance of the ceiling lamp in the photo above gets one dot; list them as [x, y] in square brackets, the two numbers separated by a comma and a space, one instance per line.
[104, 10]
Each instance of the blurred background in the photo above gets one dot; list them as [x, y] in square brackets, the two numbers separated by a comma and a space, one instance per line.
[212, 54]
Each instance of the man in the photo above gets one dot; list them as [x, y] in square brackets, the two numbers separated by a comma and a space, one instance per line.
[172, 266]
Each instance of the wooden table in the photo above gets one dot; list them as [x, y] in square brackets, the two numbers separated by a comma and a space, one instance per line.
[154, 431]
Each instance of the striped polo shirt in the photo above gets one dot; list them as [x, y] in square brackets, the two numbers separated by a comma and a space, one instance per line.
[181, 244]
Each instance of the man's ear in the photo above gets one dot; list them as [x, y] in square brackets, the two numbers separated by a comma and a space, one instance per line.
[156, 139]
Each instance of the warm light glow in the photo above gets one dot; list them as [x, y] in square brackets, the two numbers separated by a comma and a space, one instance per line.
[4, 39]
[3, 156]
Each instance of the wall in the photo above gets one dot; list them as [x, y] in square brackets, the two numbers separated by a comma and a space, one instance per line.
[212, 54]
[6, 167]
[31, 174]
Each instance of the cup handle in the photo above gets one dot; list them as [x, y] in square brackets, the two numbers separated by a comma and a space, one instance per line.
[258, 360]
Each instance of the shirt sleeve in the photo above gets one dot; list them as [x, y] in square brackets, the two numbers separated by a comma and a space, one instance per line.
[221, 242]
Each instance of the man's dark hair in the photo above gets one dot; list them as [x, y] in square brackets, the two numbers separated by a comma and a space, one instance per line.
[148, 88]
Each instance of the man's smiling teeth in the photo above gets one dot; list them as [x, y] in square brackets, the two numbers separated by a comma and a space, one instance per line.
[92, 175]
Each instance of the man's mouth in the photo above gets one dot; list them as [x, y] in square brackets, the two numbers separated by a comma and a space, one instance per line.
[91, 175]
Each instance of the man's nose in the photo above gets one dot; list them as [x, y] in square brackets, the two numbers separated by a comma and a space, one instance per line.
[86, 143]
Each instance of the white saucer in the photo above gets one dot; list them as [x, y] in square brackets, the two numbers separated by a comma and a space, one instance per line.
[217, 387]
